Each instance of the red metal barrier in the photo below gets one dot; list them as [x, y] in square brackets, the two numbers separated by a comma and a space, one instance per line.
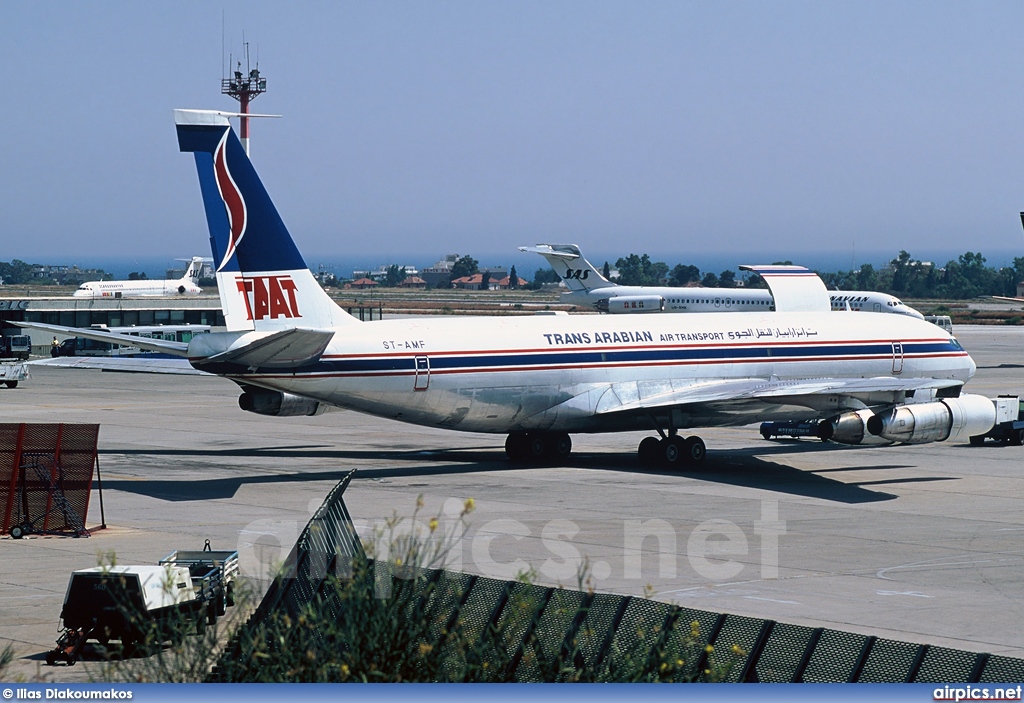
[46, 475]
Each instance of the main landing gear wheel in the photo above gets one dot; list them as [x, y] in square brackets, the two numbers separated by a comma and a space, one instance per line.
[648, 451]
[694, 450]
[672, 452]
[538, 447]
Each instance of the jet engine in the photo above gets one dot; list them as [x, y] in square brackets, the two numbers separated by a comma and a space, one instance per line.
[850, 428]
[938, 421]
[946, 419]
[632, 304]
[277, 404]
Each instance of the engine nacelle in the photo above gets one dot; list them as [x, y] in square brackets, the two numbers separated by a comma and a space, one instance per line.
[850, 428]
[938, 421]
[277, 404]
[632, 304]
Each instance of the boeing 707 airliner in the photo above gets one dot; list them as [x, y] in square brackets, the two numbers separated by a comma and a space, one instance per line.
[538, 380]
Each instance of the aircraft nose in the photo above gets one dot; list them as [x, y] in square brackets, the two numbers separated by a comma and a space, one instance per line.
[971, 367]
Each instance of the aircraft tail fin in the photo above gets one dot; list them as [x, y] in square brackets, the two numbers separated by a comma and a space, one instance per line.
[794, 288]
[195, 268]
[264, 283]
[568, 262]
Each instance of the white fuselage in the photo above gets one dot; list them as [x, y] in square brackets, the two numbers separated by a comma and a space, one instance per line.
[725, 300]
[137, 289]
[571, 373]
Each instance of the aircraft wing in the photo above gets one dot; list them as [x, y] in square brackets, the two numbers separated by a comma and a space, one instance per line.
[642, 396]
[147, 343]
[123, 364]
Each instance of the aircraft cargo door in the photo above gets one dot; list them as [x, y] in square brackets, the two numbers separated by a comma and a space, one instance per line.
[422, 374]
[897, 357]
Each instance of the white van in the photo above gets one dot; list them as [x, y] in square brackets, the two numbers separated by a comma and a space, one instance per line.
[942, 321]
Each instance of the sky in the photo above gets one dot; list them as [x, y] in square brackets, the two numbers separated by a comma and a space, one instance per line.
[694, 131]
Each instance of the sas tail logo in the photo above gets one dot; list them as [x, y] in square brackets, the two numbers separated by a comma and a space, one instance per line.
[579, 275]
[269, 296]
[232, 197]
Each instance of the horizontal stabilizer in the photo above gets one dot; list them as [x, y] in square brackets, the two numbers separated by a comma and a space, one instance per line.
[161, 345]
[794, 288]
[289, 348]
[122, 364]
[558, 251]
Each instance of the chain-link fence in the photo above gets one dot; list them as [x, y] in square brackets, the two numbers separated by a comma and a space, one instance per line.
[601, 632]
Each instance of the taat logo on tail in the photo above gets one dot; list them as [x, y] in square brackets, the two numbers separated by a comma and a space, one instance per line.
[269, 296]
[233, 200]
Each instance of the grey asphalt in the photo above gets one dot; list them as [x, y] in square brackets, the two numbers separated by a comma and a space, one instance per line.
[922, 544]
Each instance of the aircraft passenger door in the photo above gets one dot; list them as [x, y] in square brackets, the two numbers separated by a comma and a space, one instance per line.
[877, 307]
[422, 374]
[897, 357]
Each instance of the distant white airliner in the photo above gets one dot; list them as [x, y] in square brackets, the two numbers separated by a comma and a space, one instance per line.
[186, 285]
[537, 379]
[588, 288]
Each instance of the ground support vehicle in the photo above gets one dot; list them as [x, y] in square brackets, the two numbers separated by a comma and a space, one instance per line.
[133, 604]
[791, 428]
[213, 576]
[11, 372]
[1009, 427]
[16, 346]
[146, 604]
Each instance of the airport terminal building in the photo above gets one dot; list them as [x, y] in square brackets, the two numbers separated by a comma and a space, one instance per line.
[112, 312]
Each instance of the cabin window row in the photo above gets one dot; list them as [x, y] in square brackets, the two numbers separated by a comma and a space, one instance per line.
[728, 301]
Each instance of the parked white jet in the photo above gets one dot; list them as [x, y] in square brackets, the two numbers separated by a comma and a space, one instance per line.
[588, 288]
[538, 379]
[186, 285]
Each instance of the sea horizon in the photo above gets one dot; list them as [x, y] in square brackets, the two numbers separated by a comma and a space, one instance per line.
[527, 264]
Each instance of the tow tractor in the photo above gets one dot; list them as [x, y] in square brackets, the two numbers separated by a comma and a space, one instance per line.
[790, 428]
[145, 604]
[1009, 427]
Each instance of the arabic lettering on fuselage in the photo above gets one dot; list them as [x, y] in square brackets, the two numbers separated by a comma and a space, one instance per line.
[633, 337]
[773, 332]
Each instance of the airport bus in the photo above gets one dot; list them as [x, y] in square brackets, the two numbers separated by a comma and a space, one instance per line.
[79, 346]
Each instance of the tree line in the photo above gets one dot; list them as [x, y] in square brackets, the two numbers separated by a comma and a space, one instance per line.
[967, 276]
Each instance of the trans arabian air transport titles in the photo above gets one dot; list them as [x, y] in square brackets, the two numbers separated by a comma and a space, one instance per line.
[539, 379]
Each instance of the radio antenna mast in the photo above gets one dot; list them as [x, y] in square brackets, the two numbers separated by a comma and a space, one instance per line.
[244, 87]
